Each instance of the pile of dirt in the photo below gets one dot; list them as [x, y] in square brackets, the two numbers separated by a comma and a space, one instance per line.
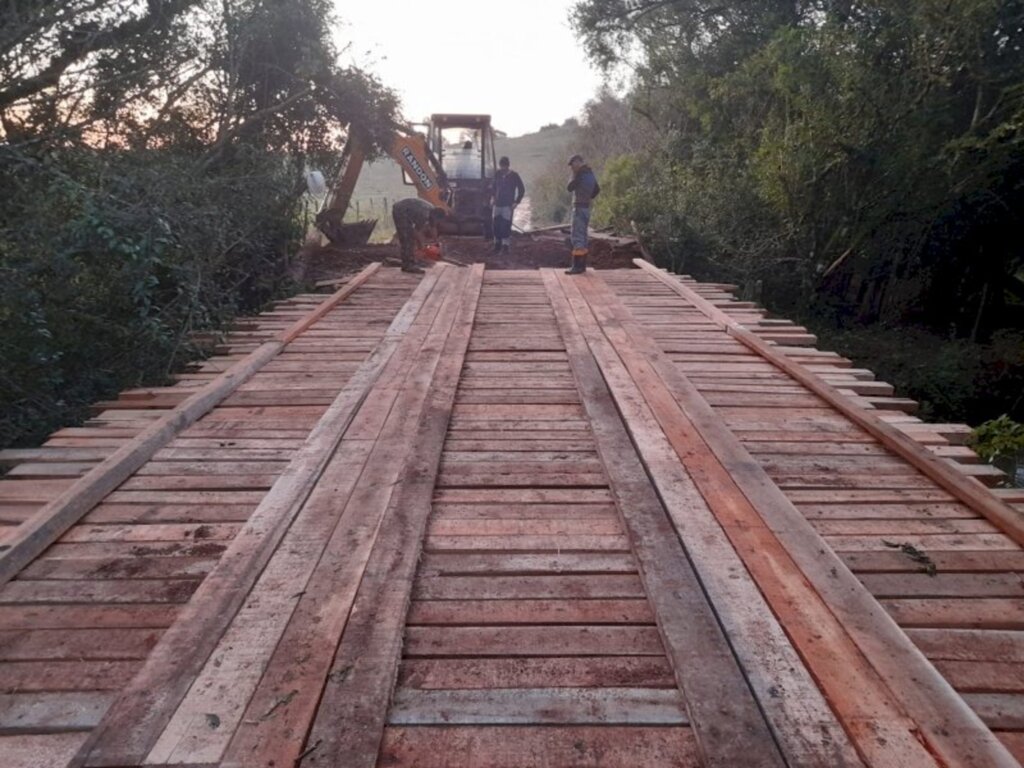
[543, 249]
[548, 248]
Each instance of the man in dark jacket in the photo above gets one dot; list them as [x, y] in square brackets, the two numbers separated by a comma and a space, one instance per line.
[584, 188]
[506, 193]
[416, 224]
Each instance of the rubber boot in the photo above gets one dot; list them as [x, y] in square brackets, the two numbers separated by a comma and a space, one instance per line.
[579, 262]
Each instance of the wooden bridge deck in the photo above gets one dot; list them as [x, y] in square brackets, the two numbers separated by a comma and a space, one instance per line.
[511, 519]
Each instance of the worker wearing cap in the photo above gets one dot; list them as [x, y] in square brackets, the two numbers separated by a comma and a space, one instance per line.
[584, 188]
[507, 192]
[416, 224]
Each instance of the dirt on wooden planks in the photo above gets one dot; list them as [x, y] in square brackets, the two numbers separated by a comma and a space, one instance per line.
[549, 248]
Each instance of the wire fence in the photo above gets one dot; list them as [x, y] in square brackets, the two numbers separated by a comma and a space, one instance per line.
[376, 207]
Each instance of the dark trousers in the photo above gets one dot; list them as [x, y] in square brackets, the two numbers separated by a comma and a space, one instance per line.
[502, 222]
[406, 239]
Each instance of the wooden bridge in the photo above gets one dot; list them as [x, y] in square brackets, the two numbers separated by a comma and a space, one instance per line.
[497, 519]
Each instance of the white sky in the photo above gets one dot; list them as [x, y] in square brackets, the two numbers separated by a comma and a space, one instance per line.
[519, 62]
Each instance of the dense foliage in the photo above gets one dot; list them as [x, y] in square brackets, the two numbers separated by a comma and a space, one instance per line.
[151, 156]
[859, 162]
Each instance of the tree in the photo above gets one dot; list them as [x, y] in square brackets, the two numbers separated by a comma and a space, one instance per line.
[151, 157]
[872, 149]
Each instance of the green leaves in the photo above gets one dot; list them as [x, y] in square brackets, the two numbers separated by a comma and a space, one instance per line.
[881, 137]
[149, 160]
[998, 438]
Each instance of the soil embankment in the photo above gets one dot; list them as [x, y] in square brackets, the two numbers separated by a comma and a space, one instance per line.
[528, 251]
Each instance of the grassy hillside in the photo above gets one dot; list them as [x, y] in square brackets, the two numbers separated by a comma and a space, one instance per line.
[534, 153]
[380, 183]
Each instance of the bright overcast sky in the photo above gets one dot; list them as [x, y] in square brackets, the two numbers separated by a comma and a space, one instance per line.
[518, 62]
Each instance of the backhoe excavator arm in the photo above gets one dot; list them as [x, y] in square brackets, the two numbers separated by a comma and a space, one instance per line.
[410, 151]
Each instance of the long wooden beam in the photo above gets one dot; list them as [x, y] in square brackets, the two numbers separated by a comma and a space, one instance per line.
[137, 717]
[778, 531]
[53, 520]
[277, 651]
[715, 687]
[352, 712]
[965, 489]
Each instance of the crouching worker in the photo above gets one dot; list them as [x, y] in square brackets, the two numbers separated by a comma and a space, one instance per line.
[416, 224]
[584, 188]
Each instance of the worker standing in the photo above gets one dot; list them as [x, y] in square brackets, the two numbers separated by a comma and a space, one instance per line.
[507, 192]
[584, 188]
[416, 223]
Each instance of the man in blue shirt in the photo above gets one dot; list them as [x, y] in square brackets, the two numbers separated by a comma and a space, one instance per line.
[584, 188]
[506, 193]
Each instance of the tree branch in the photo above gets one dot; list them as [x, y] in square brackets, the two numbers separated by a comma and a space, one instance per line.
[253, 119]
[81, 44]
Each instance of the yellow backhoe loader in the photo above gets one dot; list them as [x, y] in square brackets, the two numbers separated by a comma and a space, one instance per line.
[450, 161]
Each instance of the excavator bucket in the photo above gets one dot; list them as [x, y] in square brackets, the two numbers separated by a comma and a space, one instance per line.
[342, 233]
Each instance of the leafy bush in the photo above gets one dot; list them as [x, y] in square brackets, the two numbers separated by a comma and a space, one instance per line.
[109, 261]
[954, 380]
[151, 157]
[999, 438]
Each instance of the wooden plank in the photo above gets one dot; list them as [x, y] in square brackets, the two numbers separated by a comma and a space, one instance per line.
[553, 543]
[550, 747]
[998, 710]
[999, 513]
[882, 511]
[119, 568]
[32, 617]
[109, 644]
[61, 513]
[115, 550]
[71, 676]
[105, 591]
[539, 706]
[950, 561]
[970, 644]
[584, 526]
[537, 672]
[984, 676]
[176, 532]
[518, 587]
[900, 527]
[144, 708]
[716, 680]
[365, 612]
[39, 750]
[962, 585]
[32, 491]
[553, 612]
[994, 542]
[515, 479]
[228, 680]
[498, 563]
[581, 639]
[1014, 741]
[523, 496]
[42, 712]
[109, 514]
[558, 466]
[789, 559]
[495, 513]
[800, 718]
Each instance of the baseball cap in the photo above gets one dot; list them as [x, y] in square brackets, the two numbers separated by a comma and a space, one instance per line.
[574, 158]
